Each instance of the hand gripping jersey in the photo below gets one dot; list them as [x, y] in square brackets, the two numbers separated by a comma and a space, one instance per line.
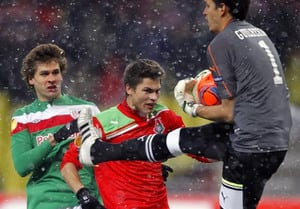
[131, 184]
[32, 153]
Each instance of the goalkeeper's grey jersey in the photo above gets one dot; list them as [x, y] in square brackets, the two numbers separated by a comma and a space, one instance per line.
[246, 66]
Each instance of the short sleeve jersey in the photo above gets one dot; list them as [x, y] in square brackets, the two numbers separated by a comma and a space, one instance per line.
[246, 66]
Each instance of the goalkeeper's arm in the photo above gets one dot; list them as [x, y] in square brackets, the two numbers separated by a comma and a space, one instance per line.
[66, 131]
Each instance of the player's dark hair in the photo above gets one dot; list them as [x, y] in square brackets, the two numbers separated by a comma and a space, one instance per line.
[237, 8]
[42, 53]
[136, 71]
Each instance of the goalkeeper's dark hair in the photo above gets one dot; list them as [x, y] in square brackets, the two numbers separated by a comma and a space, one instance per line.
[237, 8]
[136, 71]
[42, 53]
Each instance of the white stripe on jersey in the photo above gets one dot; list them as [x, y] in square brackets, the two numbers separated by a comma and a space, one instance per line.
[55, 110]
[111, 136]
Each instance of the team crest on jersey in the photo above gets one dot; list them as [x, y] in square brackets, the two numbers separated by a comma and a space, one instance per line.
[74, 114]
[159, 127]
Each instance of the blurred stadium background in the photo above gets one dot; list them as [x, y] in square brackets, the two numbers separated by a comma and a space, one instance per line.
[100, 37]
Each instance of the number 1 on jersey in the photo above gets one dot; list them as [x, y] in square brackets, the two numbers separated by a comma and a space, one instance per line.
[277, 78]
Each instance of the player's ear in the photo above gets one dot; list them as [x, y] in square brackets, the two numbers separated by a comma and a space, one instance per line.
[31, 81]
[223, 9]
[128, 89]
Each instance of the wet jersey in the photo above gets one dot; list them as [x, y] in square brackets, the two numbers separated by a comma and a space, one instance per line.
[246, 66]
[131, 184]
[33, 154]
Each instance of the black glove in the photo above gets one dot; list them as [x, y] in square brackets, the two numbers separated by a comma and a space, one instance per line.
[165, 171]
[66, 131]
[87, 200]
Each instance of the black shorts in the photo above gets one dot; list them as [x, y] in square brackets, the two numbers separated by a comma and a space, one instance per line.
[245, 175]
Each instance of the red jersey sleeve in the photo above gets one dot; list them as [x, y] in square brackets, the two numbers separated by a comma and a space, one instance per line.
[71, 156]
[177, 121]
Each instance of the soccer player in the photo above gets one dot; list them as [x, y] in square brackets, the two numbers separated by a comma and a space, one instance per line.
[253, 122]
[33, 150]
[130, 184]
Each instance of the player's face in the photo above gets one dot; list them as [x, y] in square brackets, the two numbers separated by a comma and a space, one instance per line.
[47, 81]
[213, 15]
[144, 97]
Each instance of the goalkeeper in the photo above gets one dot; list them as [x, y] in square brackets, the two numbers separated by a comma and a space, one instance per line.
[255, 101]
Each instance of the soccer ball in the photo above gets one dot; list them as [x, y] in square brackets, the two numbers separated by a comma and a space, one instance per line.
[205, 91]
